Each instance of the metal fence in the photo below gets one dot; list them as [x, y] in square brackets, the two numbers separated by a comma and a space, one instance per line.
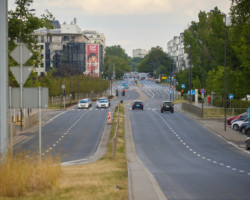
[69, 99]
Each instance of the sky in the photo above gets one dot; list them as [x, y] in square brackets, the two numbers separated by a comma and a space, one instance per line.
[132, 24]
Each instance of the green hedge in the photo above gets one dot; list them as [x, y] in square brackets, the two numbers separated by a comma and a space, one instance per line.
[236, 103]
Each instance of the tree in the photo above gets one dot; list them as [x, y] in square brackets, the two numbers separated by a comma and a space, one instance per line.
[156, 62]
[115, 56]
[22, 24]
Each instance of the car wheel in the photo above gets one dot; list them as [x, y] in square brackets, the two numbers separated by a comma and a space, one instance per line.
[235, 127]
[142, 109]
[172, 111]
[243, 131]
[247, 132]
[161, 111]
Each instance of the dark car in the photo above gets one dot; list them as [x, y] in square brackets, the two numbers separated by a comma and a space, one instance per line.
[137, 105]
[247, 131]
[243, 126]
[167, 106]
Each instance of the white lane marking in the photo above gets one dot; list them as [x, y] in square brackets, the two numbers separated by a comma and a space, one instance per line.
[190, 149]
[67, 131]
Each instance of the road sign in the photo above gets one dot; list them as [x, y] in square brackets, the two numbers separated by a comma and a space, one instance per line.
[30, 97]
[16, 72]
[202, 90]
[164, 77]
[26, 54]
[183, 86]
[192, 92]
[230, 96]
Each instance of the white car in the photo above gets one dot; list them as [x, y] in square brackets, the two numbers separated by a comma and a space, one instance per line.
[105, 98]
[102, 103]
[84, 103]
[236, 125]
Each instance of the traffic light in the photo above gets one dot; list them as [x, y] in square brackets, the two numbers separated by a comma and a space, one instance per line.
[182, 93]
[123, 92]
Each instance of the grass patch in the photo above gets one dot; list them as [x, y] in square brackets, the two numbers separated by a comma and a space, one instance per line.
[105, 179]
[20, 176]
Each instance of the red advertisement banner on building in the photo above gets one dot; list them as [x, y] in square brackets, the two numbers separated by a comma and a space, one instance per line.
[92, 60]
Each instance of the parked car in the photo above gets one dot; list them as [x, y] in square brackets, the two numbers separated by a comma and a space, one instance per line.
[248, 143]
[230, 119]
[247, 131]
[242, 118]
[236, 125]
[243, 126]
[167, 106]
[137, 105]
[84, 103]
[102, 103]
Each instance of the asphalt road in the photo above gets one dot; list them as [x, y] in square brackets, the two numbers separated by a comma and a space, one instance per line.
[72, 135]
[187, 159]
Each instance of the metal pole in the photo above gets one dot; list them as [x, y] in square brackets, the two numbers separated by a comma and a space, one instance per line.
[40, 123]
[225, 75]
[202, 80]
[10, 121]
[4, 77]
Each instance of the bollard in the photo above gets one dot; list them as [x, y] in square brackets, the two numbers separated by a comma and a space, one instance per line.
[109, 118]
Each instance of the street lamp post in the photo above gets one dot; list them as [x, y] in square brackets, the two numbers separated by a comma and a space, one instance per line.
[190, 72]
[225, 70]
[225, 73]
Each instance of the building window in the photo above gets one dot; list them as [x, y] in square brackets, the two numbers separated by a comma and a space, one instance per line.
[41, 46]
[42, 38]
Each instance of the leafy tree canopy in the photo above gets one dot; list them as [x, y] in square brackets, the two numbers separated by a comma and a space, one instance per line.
[156, 62]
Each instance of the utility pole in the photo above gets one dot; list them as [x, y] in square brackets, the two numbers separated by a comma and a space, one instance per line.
[3, 76]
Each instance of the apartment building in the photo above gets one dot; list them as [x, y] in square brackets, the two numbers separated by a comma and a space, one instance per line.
[64, 46]
[175, 48]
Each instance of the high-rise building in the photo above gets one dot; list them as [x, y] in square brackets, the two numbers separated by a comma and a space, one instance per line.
[139, 53]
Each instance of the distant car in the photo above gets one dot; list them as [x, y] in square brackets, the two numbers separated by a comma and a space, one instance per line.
[84, 103]
[106, 98]
[167, 106]
[102, 103]
[230, 119]
[236, 125]
[137, 105]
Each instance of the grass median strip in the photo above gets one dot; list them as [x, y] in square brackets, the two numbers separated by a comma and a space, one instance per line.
[104, 179]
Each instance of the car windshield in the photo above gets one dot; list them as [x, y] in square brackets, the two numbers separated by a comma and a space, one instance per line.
[83, 101]
[103, 101]
[137, 102]
[167, 103]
